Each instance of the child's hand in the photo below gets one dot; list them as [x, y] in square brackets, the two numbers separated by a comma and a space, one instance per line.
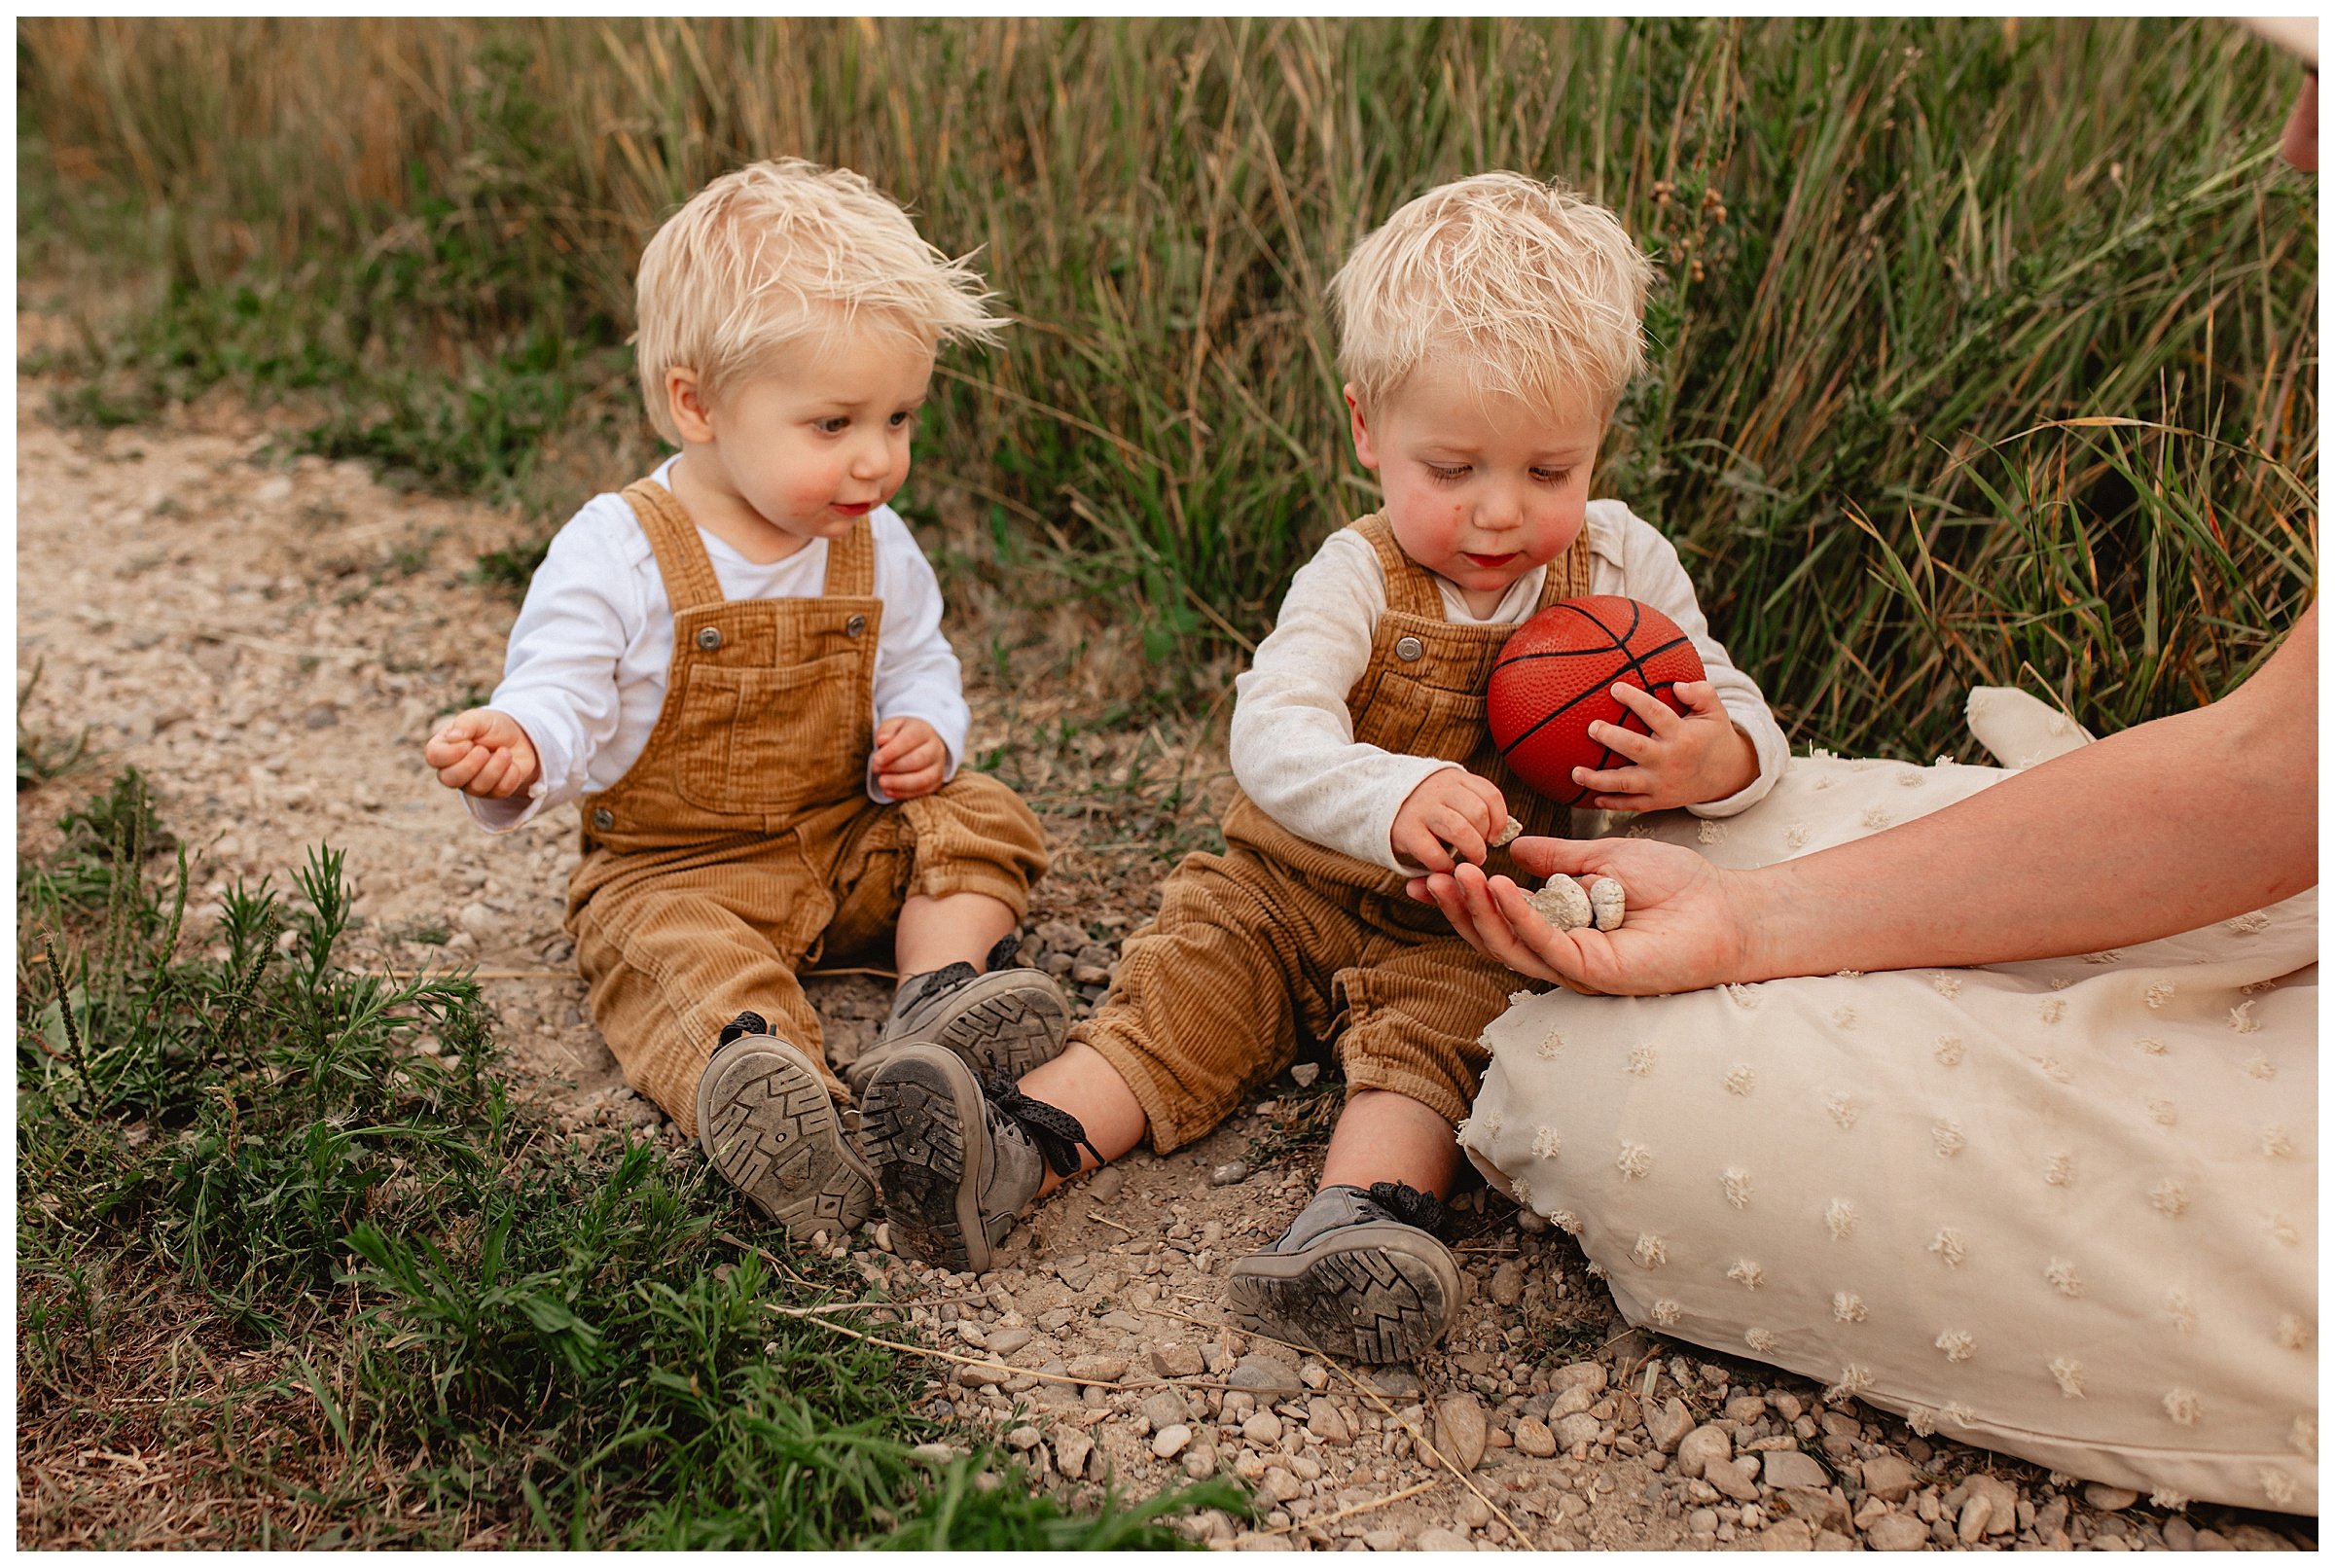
[1687, 759]
[910, 759]
[482, 753]
[1451, 807]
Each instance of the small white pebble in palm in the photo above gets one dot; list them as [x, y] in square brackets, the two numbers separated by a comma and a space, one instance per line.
[1561, 904]
[1606, 903]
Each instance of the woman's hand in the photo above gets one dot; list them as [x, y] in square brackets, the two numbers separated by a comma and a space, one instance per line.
[1687, 925]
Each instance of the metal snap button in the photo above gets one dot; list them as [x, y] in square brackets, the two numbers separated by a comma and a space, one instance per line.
[603, 819]
[710, 638]
[855, 626]
[1409, 650]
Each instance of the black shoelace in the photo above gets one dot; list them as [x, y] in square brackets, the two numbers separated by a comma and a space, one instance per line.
[1413, 1207]
[1055, 1131]
[937, 979]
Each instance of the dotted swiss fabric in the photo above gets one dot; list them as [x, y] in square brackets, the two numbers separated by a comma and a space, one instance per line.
[2066, 1209]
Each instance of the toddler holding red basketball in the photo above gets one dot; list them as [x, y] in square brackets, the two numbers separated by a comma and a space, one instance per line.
[1487, 333]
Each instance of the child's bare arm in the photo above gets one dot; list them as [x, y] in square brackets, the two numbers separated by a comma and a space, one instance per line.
[484, 753]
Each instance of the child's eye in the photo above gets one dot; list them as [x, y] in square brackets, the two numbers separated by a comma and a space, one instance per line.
[834, 426]
[905, 416]
[1552, 476]
[1447, 476]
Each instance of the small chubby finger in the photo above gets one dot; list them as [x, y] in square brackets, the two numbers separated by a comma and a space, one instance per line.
[1612, 780]
[1660, 717]
[1634, 744]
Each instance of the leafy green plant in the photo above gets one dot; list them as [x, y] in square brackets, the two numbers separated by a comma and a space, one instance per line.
[323, 1171]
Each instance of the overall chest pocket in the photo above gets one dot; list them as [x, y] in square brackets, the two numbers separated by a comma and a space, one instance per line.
[773, 739]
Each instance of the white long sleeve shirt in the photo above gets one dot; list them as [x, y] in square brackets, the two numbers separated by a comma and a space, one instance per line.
[586, 671]
[1293, 746]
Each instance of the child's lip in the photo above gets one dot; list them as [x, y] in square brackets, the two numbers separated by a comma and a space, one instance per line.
[1491, 561]
[855, 508]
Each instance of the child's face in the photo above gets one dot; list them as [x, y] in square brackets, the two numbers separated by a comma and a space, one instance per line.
[1480, 489]
[813, 441]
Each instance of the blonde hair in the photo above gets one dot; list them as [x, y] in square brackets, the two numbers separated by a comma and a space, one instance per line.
[1539, 290]
[781, 252]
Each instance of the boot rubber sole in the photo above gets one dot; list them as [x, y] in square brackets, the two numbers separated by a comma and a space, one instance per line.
[925, 1127]
[769, 1126]
[1002, 1024]
[1366, 1293]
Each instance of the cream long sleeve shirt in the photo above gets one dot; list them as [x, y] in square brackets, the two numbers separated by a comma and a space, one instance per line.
[584, 674]
[1293, 746]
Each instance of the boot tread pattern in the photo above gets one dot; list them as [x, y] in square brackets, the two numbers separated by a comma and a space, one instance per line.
[910, 1130]
[1366, 1304]
[773, 1132]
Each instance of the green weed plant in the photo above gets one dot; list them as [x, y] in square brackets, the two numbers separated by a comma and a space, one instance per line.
[313, 1180]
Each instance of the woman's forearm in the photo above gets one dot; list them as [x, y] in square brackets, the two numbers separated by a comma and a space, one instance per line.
[2163, 828]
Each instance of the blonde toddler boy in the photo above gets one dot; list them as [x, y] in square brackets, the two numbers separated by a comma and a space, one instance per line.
[736, 669]
[1485, 333]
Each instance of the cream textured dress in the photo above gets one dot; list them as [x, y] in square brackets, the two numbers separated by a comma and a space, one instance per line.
[2065, 1209]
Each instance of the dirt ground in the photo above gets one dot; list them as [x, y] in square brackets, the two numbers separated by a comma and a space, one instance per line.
[270, 638]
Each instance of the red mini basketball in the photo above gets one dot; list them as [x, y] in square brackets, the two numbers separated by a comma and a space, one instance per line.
[1555, 678]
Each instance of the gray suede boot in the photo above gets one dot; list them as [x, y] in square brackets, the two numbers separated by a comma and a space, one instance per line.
[769, 1125]
[1002, 1023]
[1358, 1274]
[956, 1165]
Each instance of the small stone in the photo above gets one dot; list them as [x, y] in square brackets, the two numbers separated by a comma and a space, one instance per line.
[1105, 1184]
[1005, 1341]
[1177, 1360]
[1707, 1444]
[1071, 1446]
[1263, 1372]
[1255, 1541]
[1306, 1074]
[1507, 834]
[1170, 1441]
[1263, 1429]
[1533, 1439]
[1440, 1540]
[1166, 1408]
[1327, 1422]
[1589, 1375]
[1833, 1540]
[1395, 1382]
[1746, 1410]
[1021, 1439]
[1786, 1535]
[1508, 1283]
[1461, 1430]
[1281, 1484]
[319, 715]
[1670, 1425]
[1099, 1369]
[1606, 903]
[1561, 903]
[2179, 1534]
[1889, 1478]
[1200, 1463]
[1898, 1532]
[2109, 1499]
[1789, 1466]
[1075, 1273]
[981, 1376]
[1383, 1540]
[1702, 1521]
[1736, 1478]
[1232, 1173]
[1576, 1429]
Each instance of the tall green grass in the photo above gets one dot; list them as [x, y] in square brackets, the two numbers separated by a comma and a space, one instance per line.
[1907, 265]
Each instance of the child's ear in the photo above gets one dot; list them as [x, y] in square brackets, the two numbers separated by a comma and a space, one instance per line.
[1366, 450]
[685, 399]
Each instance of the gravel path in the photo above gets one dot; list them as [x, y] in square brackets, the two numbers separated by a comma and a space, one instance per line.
[271, 640]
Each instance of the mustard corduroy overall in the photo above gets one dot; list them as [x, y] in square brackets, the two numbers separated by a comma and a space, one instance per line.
[743, 845]
[1279, 936]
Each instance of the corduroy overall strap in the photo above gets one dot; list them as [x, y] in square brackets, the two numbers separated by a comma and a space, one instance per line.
[690, 583]
[1411, 588]
[688, 571]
